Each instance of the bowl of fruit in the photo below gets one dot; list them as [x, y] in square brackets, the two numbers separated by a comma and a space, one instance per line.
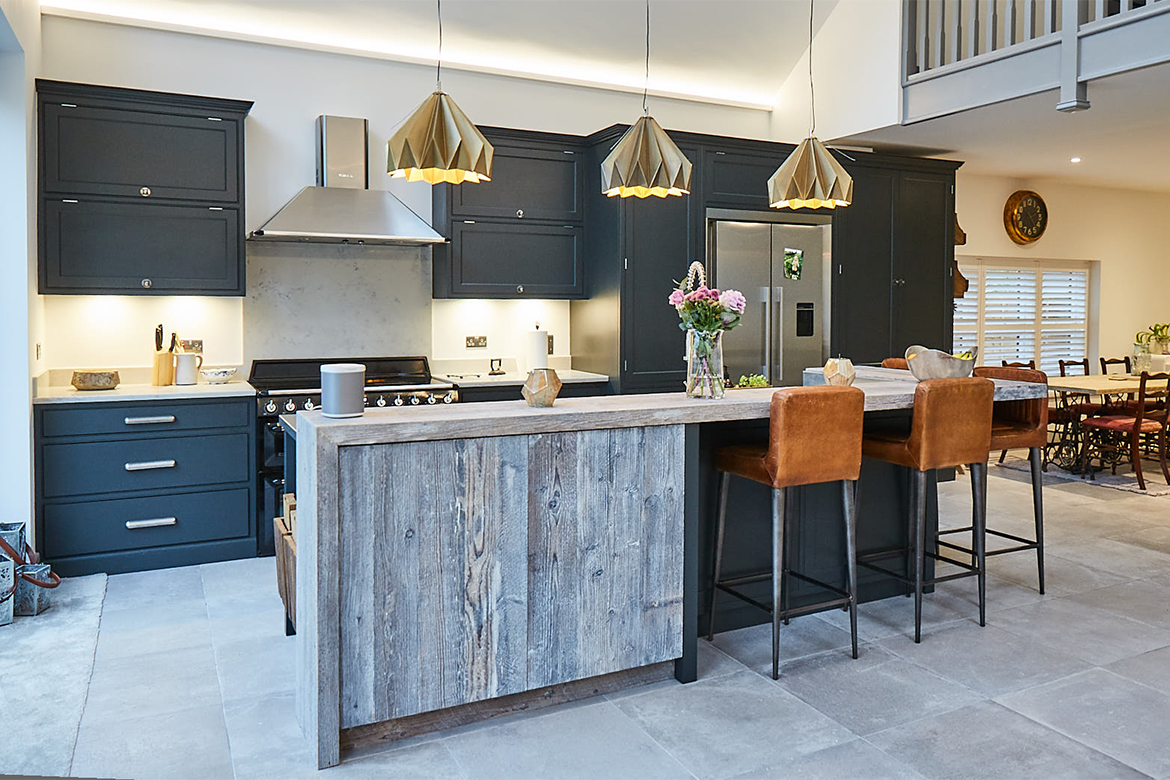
[751, 380]
[928, 363]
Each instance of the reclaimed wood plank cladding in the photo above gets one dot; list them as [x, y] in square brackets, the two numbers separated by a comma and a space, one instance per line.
[662, 542]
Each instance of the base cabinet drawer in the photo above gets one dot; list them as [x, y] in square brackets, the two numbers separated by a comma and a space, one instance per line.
[144, 464]
[95, 419]
[89, 527]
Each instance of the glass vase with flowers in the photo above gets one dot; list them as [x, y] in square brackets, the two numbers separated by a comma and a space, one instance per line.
[705, 314]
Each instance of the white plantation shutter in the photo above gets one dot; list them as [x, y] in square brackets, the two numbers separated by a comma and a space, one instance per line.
[1024, 310]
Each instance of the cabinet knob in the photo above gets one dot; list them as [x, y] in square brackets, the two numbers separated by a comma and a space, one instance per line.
[519, 213]
[147, 284]
[144, 192]
[520, 288]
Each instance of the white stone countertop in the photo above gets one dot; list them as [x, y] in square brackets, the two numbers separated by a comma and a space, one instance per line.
[566, 375]
[67, 394]
[884, 390]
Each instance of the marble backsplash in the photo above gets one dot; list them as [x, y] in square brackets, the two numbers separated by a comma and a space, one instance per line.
[322, 300]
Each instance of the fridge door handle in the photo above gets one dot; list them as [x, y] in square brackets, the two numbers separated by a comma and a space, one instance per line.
[777, 316]
[766, 300]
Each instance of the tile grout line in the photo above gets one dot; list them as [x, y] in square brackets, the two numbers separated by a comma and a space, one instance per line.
[650, 736]
[93, 663]
[218, 682]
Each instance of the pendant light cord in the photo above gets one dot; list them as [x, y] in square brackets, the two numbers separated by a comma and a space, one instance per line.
[646, 82]
[812, 94]
[439, 59]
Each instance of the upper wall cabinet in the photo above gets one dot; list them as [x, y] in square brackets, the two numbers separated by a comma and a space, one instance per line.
[141, 192]
[738, 178]
[520, 234]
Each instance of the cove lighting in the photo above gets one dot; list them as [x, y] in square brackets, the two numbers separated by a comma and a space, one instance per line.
[240, 26]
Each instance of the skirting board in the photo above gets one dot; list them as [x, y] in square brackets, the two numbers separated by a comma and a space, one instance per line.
[389, 731]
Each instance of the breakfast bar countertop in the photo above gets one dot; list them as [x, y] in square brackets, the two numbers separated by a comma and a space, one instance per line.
[885, 389]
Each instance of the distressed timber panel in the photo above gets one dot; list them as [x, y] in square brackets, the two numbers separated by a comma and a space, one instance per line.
[605, 551]
[433, 604]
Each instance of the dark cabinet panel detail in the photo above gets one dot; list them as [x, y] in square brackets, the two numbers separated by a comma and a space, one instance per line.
[516, 260]
[862, 273]
[146, 248]
[104, 151]
[144, 419]
[526, 183]
[923, 294]
[738, 179]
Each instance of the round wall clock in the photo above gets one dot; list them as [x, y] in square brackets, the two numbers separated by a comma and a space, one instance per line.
[1025, 217]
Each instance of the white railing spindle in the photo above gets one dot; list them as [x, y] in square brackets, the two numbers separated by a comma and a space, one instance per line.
[1049, 17]
[922, 43]
[989, 24]
[956, 33]
[1029, 19]
[937, 27]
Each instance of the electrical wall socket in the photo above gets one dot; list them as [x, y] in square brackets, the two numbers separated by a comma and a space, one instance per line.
[550, 343]
[475, 342]
[38, 350]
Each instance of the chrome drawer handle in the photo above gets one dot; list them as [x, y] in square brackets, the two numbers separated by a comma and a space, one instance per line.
[147, 465]
[156, 522]
[163, 418]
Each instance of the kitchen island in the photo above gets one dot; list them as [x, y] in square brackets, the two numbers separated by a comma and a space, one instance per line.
[454, 559]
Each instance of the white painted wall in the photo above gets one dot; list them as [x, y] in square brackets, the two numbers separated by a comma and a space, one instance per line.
[1123, 229]
[503, 322]
[20, 314]
[857, 71]
[291, 87]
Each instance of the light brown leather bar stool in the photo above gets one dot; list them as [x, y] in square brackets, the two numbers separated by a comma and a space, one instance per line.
[896, 362]
[1018, 425]
[951, 427]
[814, 436]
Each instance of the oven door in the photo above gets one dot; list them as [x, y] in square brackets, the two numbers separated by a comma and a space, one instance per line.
[271, 505]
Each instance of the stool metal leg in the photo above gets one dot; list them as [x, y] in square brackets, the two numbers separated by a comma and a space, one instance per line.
[849, 494]
[979, 527]
[721, 520]
[919, 548]
[1037, 458]
[912, 502]
[778, 519]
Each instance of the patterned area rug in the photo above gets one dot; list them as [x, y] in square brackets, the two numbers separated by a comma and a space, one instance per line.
[1124, 479]
[45, 665]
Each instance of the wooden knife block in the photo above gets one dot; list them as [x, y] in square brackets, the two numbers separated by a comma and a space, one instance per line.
[162, 372]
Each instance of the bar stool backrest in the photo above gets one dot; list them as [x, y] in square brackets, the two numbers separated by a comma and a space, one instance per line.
[815, 435]
[952, 422]
[1026, 415]
[895, 362]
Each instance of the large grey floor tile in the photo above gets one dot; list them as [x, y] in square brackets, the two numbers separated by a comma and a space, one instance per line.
[1089, 633]
[752, 646]
[987, 740]
[1152, 669]
[856, 759]
[1061, 576]
[712, 662]
[735, 724]
[425, 761]
[962, 596]
[873, 692]
[240, 587]
[1126, 560]
[1142, 600]
[1107, 712]
[131, 632]
[151, 589]
[591, 741]
[178, 745]
[987, 660]
[256, 667]
[1156, 538]
[893, 617]
[229, 626]
[152, 684]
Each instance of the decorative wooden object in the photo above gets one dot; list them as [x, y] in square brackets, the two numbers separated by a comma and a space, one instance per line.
[542, 387]
[839, 371]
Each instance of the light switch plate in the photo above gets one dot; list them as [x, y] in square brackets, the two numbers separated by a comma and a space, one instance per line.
[476, 342]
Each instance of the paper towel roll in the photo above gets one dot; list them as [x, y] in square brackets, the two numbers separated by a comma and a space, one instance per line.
[536, 349]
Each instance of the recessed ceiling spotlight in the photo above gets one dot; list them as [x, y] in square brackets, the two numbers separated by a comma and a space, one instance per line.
[1075, 160]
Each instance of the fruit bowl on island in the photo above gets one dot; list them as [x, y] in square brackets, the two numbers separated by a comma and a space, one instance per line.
[926, 363]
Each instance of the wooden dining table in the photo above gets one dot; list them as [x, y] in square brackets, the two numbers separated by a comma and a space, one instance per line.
[1096, 384]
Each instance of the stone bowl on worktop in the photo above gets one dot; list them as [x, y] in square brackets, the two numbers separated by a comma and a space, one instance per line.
[926, 363]
[95, 379]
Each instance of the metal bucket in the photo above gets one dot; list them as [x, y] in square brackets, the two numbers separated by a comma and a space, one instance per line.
[7, 576]
[13, 535]
[32, 599]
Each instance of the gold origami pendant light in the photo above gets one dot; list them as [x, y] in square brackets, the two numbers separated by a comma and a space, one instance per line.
[645, 161]
[438, 143]
[811, 178]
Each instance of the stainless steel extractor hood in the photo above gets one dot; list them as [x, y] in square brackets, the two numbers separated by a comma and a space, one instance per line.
[341, 209]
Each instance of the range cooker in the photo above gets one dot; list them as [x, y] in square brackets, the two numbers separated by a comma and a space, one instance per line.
[290, 386]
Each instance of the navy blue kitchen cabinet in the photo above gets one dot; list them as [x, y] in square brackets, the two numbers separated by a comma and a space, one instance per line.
[520, 235]
[735, 177]
[141, 193]
[125, 486]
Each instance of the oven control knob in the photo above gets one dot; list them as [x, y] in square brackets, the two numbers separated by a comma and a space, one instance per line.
[431, 399]
[381, 400]
[449, 397]
[290, 405]
[270, 407]
[365, 400]
[415, 400]
[398, 400]
[309, 405]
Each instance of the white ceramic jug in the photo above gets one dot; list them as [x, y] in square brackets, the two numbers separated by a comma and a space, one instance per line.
[187, 365]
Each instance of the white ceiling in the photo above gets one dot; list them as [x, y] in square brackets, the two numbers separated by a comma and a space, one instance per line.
[1123, 140]
[732, 51]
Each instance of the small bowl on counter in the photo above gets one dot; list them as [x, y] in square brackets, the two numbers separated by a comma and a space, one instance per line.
[926, 363]
[95, 379]
[218, 376]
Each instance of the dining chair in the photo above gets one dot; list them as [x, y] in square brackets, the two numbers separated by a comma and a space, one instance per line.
[1065, 415]
[1027, 364]
[1112, 434]
[1114, 399]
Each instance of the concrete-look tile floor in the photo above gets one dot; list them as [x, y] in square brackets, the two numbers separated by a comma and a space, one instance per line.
[193, 678]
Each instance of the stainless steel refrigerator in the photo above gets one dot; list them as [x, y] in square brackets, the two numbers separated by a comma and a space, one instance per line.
[785, 325]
